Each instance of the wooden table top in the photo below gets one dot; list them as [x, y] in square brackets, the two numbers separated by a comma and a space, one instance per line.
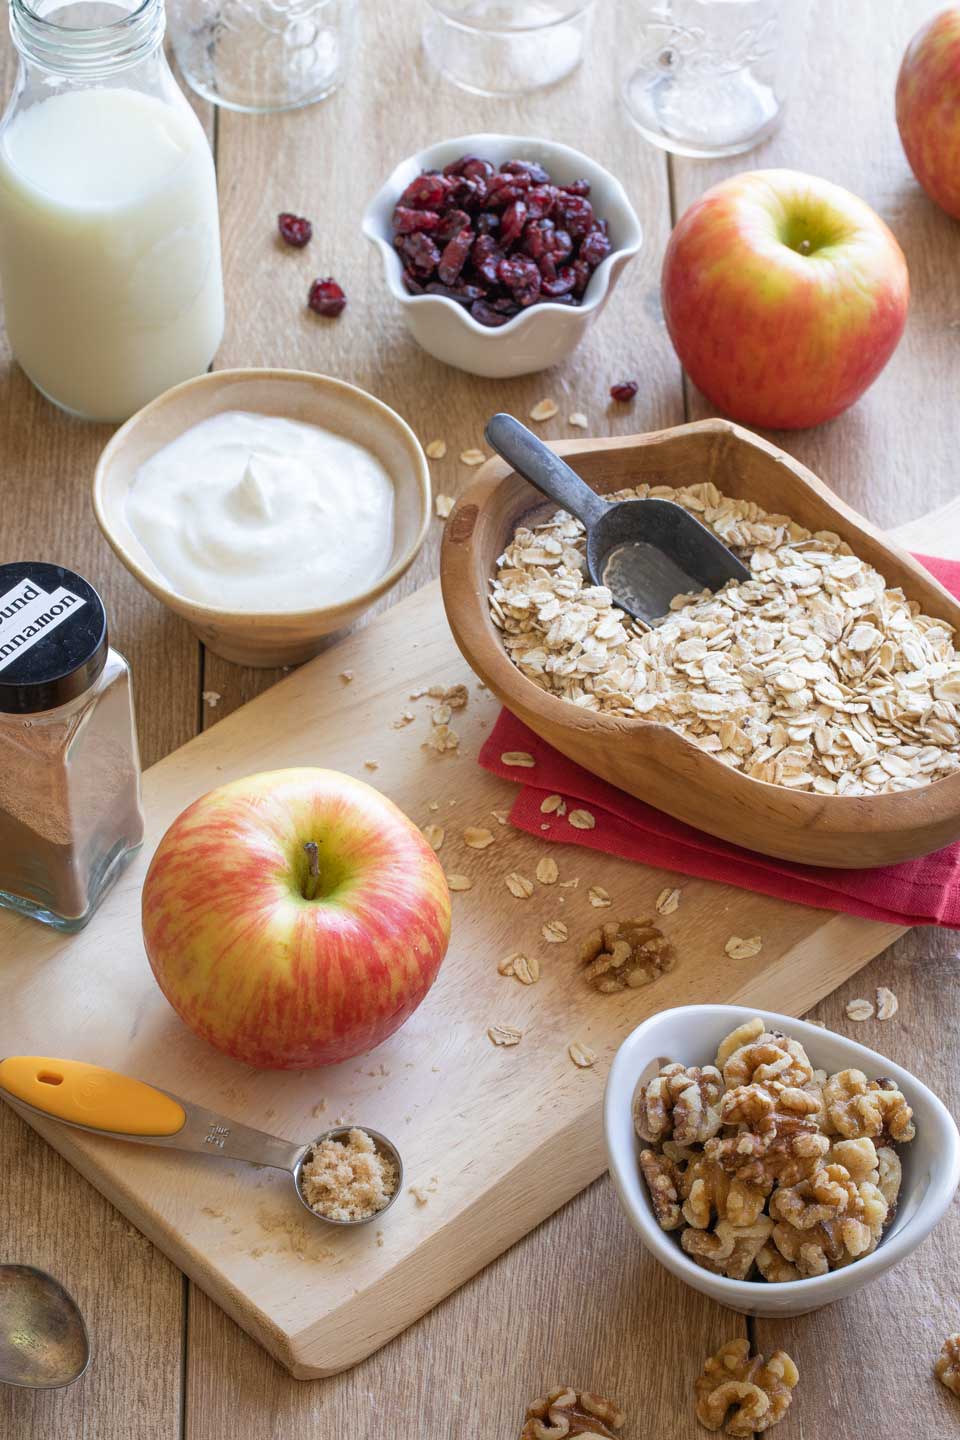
[578, 1301]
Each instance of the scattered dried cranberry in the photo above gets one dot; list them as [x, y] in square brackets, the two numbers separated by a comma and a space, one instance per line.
[498, 239]
[326, 297]
[294, 229]
[624, 391]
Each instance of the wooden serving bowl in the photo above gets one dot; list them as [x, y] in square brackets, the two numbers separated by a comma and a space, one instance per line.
[646, 758]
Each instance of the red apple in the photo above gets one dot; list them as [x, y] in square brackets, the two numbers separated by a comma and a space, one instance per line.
[274, 965]
[784, 296]
[928, 108]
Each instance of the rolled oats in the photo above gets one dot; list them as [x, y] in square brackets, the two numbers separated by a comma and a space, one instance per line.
[504, 1035]
[598, 897]
[550, 804]
[859, 1009]
[739, 948]
[578, 420]
[582, 820]
[459, 882]
[554, 932]
[581, 1055]
[477, 838]
[813, 674]
[525, 968]
[544, 410]
[434, 835]
[472, 457]
[548, 872]
[887, 1003]
[667, 901]
[436, 449]
[442, 505]
[518, 885]
[517, 759]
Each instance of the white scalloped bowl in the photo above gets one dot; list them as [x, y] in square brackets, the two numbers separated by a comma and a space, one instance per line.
[691, 1033]
[544, 334]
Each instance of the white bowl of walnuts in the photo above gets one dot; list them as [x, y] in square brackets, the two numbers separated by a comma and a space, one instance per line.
[771, 1164]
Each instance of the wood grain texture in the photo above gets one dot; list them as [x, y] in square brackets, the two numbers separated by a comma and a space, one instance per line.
[577, 1299]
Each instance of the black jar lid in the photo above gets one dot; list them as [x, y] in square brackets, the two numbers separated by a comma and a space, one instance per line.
[53, 636]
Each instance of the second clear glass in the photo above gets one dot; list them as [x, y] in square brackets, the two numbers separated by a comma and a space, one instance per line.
[506, 47]
[708, 77]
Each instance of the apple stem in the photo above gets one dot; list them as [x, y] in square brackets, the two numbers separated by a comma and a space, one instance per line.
[313, 870]
[804, 247]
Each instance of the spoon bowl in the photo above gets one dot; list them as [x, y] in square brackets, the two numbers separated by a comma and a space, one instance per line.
[43, 1340]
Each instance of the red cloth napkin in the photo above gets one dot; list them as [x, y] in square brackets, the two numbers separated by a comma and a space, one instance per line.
[918, 892]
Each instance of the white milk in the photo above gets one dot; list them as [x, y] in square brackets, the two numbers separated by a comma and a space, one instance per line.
[109, 248]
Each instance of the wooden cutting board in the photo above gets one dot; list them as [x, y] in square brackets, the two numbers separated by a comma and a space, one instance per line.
[495, 1139]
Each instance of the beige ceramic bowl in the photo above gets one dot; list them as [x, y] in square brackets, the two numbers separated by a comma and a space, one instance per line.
[270, 637]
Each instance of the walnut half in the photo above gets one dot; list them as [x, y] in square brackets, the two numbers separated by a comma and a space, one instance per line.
[566, 1413]
[625, 954]
[753, 1393]
[947, 1367]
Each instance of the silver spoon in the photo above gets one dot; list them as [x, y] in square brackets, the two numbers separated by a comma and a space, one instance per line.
[43, 1340]
[644, 551]
[88, 1097]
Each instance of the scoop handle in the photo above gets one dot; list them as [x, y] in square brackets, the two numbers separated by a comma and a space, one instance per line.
[92, 1098]
[537, 463]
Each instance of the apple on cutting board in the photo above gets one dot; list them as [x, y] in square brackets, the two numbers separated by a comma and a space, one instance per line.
[928, 108]
[784, 296]
[295, 918]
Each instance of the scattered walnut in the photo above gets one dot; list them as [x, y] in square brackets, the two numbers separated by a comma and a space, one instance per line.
[477, 838]
[472, 457]
[739, 949]
[859, 1010]
[518, 759]
[757, 1393]
[518, 885]
[582, 820]
[505, 1035]
[434, 835]
[663, 1183]
[598, 897]
[554, 932]
[548, 872]
[857, 1106]
[887, 1003]
[947, 1367]
[459, 882]
[667, 901]
[680, 1103]
[581, 1055]
[442, 505]
[624, 955]
[550, 803]
[525, 968]
[544, 410]
[565, 1413]
[436, 449]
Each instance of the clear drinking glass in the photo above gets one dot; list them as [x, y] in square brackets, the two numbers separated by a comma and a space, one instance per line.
[506, 47]
[708, 77]
[263, 55]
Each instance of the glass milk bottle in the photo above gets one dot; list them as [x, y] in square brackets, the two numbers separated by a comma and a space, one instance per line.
[109, 231]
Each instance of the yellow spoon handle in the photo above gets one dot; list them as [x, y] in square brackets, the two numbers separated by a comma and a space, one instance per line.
[90, 1095]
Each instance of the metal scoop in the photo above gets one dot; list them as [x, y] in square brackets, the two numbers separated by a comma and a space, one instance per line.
[43, 1340]
[644, 551]
[102, 1102]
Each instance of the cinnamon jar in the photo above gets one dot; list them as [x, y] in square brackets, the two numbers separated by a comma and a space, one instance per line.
[70, 809]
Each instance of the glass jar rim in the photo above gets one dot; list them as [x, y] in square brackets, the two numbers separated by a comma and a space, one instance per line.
[86, 50]
[452, 12]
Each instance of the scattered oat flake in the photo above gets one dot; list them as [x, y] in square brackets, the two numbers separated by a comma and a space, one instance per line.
[518, 885]
[887, 1003]
[548, 872]
[434, 835]
[346, 676]
[472, 457]
[578, 420]
[520, 759]
[419, 1194]
[477, 838]
[212, 698]
[406, 717]
[442, 505]
[525, 968]
[550, 803]
[570, 884]
[440, 714]
[859, 1009]
[501, 816]
[459, 882]
[371, 764]
[582, 820]
[544, 410]
[740, 949]
[554, 932]
[437, 449]
[505, 1035]
[581, 1055]
[598, 897]
[443, 738]
[668, 901]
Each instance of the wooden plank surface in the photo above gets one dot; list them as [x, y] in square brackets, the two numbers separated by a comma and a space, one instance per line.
[577, 1300]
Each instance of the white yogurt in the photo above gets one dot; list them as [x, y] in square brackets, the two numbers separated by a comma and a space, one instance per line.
[251, 512]
[109, 248]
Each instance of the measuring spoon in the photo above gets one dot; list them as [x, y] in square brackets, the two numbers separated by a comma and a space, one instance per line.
[102, 1102]
[43, 1340]
[644, 551]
